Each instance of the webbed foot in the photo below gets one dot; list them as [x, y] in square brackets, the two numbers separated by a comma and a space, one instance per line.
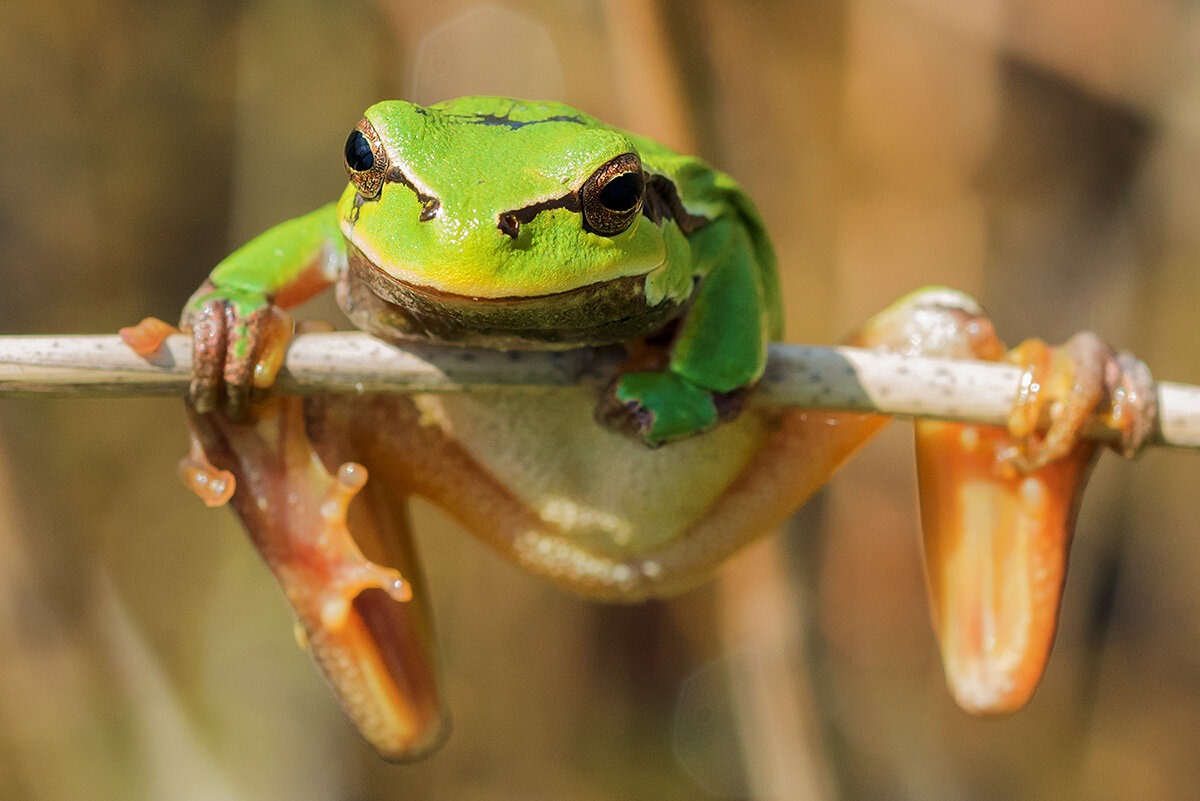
[998, 510]
[364, 622]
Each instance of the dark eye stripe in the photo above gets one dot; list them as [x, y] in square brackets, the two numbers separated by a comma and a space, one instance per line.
[510, 222]
[661, 202]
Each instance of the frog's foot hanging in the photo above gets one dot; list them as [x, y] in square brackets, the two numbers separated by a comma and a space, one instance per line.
[239, 338]
[364, 623]
[998, 510]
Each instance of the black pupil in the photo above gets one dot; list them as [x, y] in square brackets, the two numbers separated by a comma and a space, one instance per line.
[623, 192]
[358, 153]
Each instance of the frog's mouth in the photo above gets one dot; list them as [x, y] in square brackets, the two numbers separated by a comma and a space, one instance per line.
[599, 314]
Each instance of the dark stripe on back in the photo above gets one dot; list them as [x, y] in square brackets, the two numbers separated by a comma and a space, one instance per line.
[508, 122]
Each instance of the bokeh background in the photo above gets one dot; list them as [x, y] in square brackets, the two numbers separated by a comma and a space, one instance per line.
[1041, 154]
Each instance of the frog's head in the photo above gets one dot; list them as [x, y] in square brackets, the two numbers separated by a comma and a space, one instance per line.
[500, 222]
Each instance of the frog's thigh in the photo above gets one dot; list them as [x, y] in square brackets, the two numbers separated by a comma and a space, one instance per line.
[934, 321]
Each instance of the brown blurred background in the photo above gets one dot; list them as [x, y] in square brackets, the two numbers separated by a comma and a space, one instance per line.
[1044, 155]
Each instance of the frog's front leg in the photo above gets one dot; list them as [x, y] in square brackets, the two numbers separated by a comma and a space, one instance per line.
[718, 354]
[363, 618]
[239, 328]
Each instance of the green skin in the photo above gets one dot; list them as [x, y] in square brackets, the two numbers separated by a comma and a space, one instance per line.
[467, 162]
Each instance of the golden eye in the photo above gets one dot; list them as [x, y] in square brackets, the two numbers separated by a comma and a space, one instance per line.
[611, 198]
[366, 160]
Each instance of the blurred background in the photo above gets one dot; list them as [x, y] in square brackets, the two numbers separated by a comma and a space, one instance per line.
[1041, 154]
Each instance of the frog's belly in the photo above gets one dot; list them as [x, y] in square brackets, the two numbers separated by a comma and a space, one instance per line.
[600, 489]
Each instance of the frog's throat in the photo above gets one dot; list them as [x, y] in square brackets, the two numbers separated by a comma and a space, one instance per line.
[604, 313]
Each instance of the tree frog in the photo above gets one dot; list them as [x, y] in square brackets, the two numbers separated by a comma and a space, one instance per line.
[509, 224]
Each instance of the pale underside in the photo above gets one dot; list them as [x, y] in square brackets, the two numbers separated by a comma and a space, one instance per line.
[601, 490]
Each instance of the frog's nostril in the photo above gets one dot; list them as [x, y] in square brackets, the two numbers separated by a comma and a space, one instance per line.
[509, 224]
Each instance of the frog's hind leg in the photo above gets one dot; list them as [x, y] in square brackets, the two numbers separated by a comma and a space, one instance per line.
[998, 506]
[340, 547]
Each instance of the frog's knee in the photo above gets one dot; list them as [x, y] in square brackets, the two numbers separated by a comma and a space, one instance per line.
[940, 298]
[935, 321]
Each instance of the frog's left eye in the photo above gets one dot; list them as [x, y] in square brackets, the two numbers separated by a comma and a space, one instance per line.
[612, 197]
[366, 160]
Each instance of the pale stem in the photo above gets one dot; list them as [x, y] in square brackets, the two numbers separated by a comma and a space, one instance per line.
[834, 378]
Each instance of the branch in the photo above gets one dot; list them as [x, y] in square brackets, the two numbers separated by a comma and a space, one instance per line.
[837, 378]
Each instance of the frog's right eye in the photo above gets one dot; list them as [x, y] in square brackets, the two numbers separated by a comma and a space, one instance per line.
[366, 160]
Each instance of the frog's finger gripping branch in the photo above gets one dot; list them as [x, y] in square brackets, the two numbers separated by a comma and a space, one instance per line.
[239, 330]
[1133, 402]
[239, 339]
[657, 407]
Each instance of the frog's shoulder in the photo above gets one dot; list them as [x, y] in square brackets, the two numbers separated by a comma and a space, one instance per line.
[697, 190]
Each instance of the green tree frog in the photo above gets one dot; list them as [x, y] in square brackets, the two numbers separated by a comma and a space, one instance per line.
[512, 225]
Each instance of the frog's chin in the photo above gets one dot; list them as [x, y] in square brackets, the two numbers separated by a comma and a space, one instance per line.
[599, 314]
